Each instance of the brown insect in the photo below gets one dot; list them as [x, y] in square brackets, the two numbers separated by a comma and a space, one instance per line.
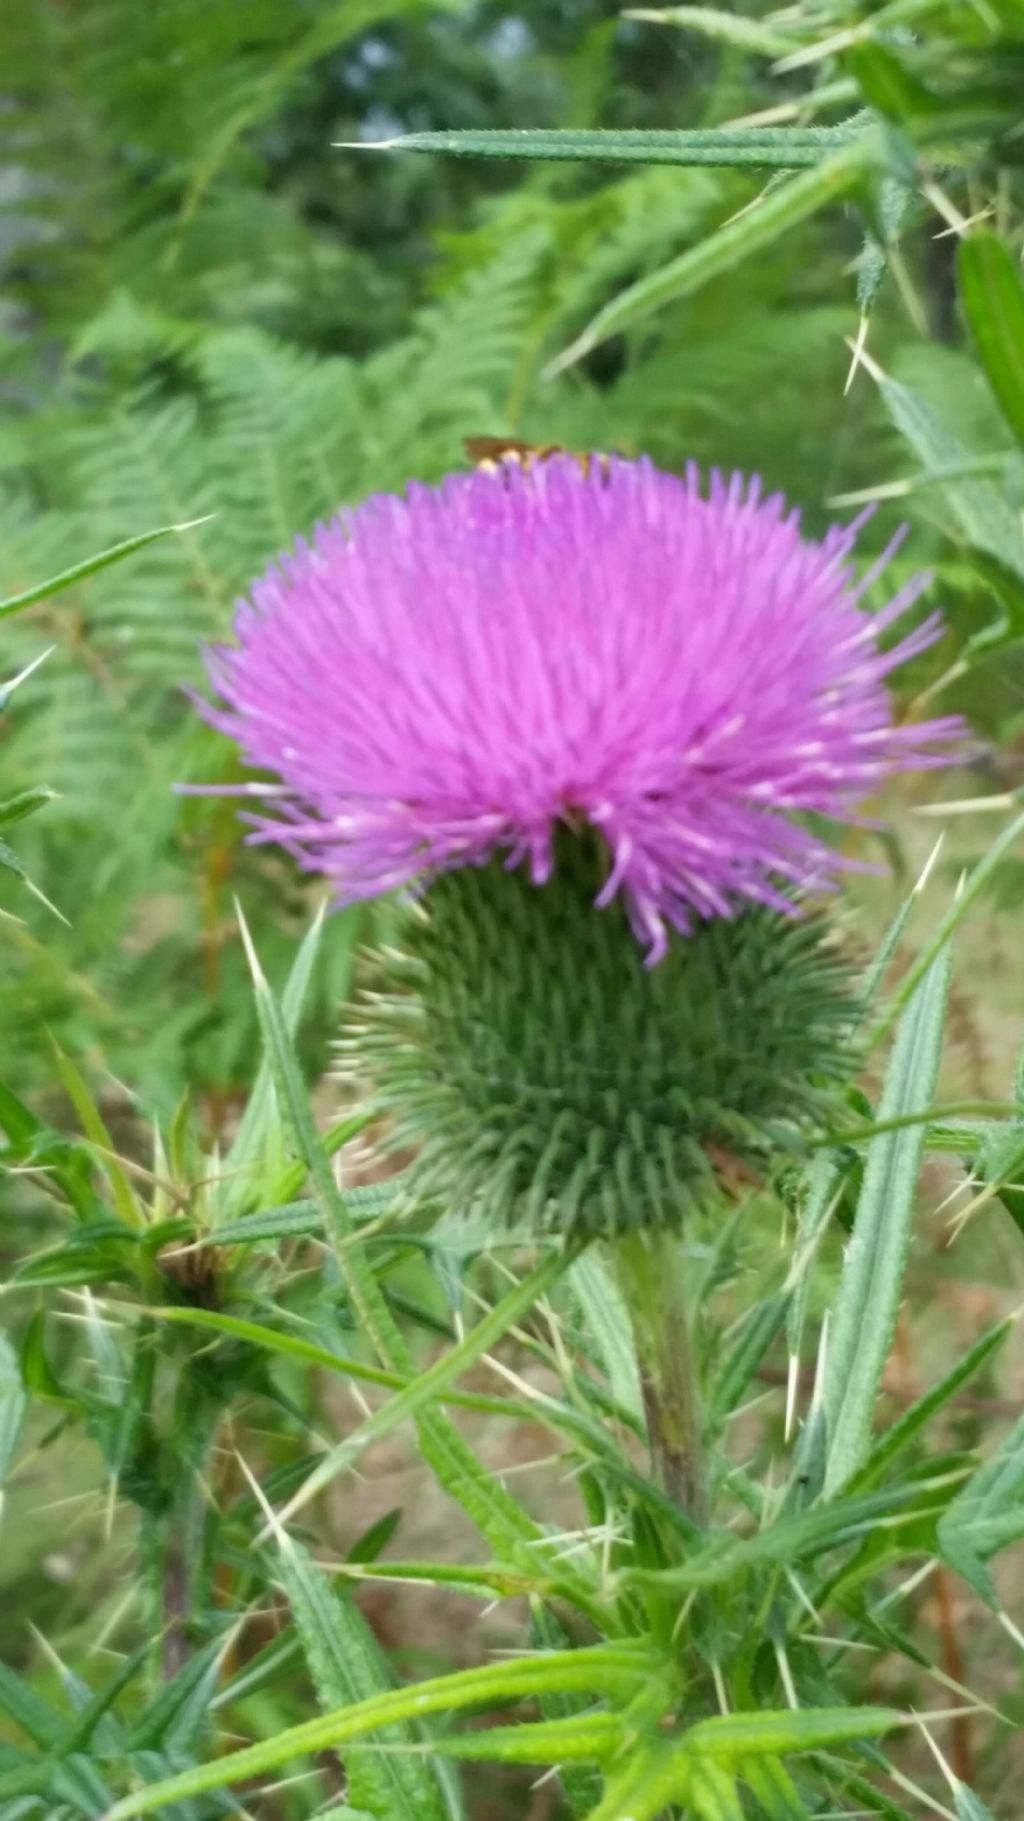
[492, 453]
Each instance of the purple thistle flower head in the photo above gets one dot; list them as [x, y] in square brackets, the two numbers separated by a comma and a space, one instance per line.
[453, 675]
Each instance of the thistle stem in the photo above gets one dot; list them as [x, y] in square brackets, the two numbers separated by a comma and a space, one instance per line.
[652, 1283]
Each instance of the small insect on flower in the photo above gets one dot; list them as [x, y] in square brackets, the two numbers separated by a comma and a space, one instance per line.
[491, 453]
[488, 452]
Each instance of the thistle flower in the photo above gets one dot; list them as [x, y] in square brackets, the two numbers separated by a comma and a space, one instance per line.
[590, 710]
[455, 675]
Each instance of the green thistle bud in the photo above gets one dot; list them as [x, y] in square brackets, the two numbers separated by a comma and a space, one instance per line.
[546, 1075]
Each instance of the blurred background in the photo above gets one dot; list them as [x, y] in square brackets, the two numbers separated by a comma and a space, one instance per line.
[208, 308]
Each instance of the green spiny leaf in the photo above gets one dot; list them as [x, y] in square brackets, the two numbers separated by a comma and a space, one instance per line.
[977, 881]
[294, 1220]
[44, 1725]
[652, 1777]
[348, 1666]
[784, 148]
[586, 1738]
[175, 1716]
[608, 1670]
[870, 1287]
[714, 1793]
[732, 1738]
[763, 1322]
[979, 510]
[501, 1519]
[608, 1322]
[798, 1536]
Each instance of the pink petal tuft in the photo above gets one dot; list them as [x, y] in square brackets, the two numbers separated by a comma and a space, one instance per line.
[446, 676]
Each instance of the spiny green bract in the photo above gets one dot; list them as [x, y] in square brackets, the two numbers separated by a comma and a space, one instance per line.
[547, 1076]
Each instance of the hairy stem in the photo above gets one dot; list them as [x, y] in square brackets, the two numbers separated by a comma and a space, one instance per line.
[652, 1284]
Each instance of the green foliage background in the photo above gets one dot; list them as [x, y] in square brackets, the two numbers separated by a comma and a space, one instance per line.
[210, 312]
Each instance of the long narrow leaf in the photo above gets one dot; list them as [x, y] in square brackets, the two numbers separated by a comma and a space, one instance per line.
[348, 1666]
[294, 1346]
[781, 148]
[757, 228]
[713, 1793]
[970, 1807]
[41, 591]
[611, 1671]
[730, 1738]
[580, 1738]
[252, 1135]
[608, 1322]
[978, 508]
[797, 1537]
[910, 1424]
[870, 1288]
[125, 1199]
[773, 1788]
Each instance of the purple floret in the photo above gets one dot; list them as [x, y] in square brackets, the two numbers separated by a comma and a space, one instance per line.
[448, 676]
